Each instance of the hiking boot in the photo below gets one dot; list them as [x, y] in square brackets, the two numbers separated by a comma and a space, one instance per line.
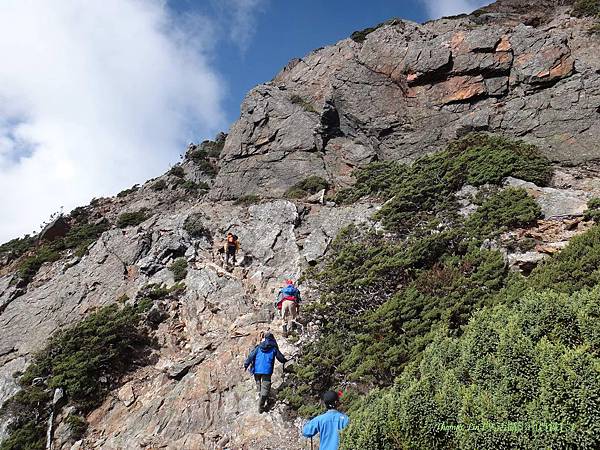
[261, 404]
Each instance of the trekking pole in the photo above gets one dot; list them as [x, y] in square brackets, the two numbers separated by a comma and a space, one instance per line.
[311, 443]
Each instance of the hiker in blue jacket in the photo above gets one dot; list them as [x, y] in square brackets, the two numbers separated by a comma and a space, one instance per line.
[261, 361]
[328, 425]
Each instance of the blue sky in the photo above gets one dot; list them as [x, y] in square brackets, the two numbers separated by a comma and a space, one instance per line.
[98, 96]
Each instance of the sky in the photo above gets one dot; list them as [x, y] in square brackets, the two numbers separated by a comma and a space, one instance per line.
[96, 96]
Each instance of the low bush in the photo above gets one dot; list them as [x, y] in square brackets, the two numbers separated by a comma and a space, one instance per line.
[86, 360]
[77, 426]
[177, 171]
[383, 294]
[304, 104]
[201, 154]
[593, 211]
[126, 192]
[361, 35]
[424, 192]
[194, 225]
[247, 200]
[133, 218]
[160, 185]
[18, 247]
[193, 187]
[208, 168]
[582, 8]
[574, 268]
[310, 185]
[509, 208]
[522, 376]
[78, 238]
[179, 269]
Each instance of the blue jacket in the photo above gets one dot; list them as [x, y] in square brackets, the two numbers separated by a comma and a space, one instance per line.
[328, 425]
[262, 359]
[289, 291]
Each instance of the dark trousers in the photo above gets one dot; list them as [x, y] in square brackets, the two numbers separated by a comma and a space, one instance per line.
[263, 384]
[230, 252]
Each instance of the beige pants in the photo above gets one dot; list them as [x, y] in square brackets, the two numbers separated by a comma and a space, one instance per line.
[289, 313]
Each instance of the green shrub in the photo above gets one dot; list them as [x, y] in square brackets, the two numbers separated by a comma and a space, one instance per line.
[208, 168]
[77, 358]
[574, 268]
[200, 156]
[594, 29]
[30, 266]
[307, 106]
[77, 426]
[424, 191]
[160, 185]
[509, 208]
[79, 237]
[130, 219]
[193, 187]
[310, 185]
[27, 436]
[126, 192]
[177, 171]
[247, 200]
[383, 295]
[179, 269]
[590, 8]
[194, 225]
[160, 292]
[378, 179]
[522, 376]
[18, 247]
[593, 211]
[214, 149]
[86, 360]
[361, 36]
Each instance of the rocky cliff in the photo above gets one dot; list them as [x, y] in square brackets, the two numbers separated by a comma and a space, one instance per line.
[404, 89]
[395, 92]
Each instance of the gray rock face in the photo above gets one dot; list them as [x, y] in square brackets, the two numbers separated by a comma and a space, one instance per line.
[197, 393]
[408, 89]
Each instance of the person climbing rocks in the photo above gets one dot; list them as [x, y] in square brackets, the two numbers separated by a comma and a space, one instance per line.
[231, 246]
[261, 361]
[329, 424]
[288, 303]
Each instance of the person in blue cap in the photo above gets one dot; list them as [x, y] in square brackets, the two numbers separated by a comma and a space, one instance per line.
[328, 425]
[261, 361]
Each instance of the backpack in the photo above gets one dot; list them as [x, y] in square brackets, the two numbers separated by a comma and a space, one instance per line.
[289, 292]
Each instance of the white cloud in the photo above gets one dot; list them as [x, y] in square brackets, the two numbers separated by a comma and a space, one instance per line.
[242, 17]
[443, 8]
[94, 97]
